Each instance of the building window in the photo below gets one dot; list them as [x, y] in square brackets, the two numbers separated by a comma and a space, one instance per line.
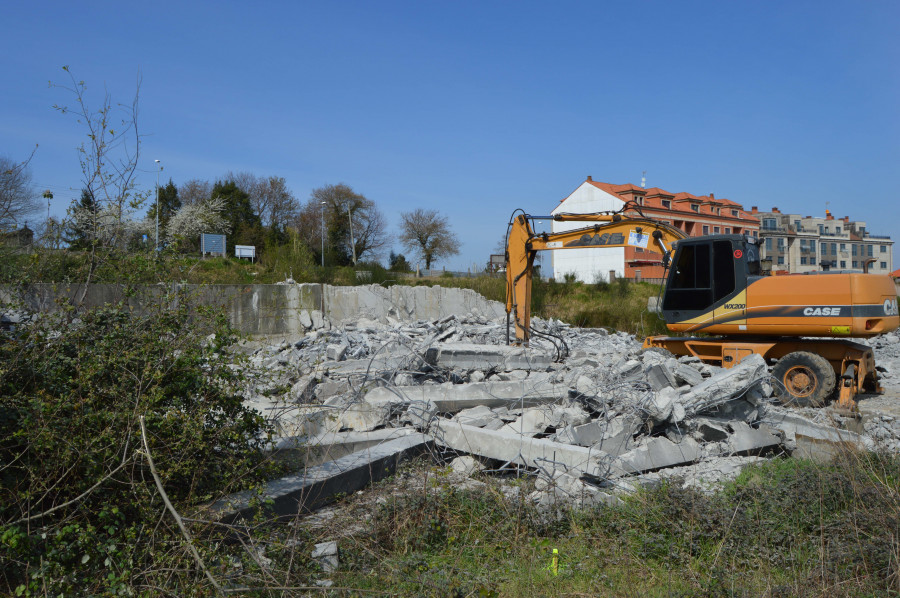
[768, 243]
[797, 225]
[855, 264]
[768, 224]
[780, 242]
[803, 261]
[837, 230]
[843, 264]
[834, 248]
[639, 250]
[780, 260]
[821, 229]
[735, 213]
[884, 249]
[716, 230]
[870, 249]
[666, 204]
[812, 245]
[727, 230]
[705, 229]
[827, 230]
[884, 265]
[853, 250]
[695, 207]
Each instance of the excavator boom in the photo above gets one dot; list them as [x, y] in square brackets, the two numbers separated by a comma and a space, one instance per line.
[610, 230]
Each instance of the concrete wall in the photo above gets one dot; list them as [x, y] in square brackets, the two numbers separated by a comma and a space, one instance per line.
[269, 309]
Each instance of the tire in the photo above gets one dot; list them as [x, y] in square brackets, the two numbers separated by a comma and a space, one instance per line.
[804, 379]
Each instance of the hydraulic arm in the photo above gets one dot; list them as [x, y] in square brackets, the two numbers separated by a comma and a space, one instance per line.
[609, 230]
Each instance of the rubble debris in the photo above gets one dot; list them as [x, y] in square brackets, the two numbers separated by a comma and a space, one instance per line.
[604, 413]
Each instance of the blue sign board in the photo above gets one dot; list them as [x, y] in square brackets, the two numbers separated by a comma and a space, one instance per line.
[214, 244]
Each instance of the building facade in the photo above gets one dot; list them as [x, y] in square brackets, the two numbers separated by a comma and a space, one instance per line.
[696, 215]
[791, 243]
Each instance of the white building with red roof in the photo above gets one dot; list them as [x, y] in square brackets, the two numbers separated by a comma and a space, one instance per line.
[696, 215]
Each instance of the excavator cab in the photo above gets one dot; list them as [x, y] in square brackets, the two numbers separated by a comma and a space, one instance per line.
[708, 273]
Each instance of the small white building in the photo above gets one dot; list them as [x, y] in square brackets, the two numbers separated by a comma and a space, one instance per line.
[587, 264]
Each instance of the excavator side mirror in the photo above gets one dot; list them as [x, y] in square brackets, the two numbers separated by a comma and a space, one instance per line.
[666, 259]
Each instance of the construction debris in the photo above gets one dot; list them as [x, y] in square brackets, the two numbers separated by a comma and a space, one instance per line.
[587, 412]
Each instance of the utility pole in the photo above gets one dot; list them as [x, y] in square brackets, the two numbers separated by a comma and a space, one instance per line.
[323, 233]
[156, 246]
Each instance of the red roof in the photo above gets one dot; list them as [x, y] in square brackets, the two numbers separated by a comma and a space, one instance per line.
[682, 195]
[896, 273]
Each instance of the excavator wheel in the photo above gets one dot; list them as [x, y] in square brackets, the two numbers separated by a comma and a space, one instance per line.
[804, 379]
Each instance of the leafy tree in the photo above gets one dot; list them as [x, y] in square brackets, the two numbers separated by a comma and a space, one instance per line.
[341, 204]
[427, 234]
[81, 231]
[18, 199]
[169, 204]
[397, 262]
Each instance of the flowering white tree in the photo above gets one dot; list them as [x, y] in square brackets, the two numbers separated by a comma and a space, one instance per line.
[192, 219]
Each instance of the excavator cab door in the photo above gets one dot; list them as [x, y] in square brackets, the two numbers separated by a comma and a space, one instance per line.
[707, 282]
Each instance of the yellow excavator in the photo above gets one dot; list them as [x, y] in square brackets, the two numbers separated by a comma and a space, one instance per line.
[723, 307]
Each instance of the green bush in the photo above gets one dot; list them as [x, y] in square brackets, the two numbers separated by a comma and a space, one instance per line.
[79, 511]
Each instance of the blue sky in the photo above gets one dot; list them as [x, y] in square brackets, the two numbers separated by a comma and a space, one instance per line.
[478, 108]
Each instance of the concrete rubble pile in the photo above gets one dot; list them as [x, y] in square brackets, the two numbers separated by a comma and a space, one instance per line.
[588, 412]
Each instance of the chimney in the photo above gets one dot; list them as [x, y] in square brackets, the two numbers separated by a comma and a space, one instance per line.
[828, 215]
[711, 196]
[776, 210]
[589, 178]
[753, 210]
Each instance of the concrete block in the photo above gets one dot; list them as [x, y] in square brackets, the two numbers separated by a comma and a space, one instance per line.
[326, 554]
[687, 374]
[466, 465]
[659, 376]
[336, 352]
[313, 487]
[820, 442]
[469, 356]
[660, 404]
[420, 413]
[363, 416]
[479, 416]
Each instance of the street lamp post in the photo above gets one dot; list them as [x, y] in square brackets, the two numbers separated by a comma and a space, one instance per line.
[352, 242]
[323, 234]
[156, 246]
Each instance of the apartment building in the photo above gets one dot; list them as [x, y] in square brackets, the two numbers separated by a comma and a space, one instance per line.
[795, 243]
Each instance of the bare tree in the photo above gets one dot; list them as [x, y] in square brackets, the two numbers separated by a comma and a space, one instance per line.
[342, 205]
[272, 201]
[18, 199]
[109, 159]
[194, 191]
[427, 234]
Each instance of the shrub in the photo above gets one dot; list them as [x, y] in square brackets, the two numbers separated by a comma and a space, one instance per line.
[79, 512]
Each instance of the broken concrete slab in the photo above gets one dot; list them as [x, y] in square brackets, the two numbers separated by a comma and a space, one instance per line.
[467, 356]
[363, 416]
[820, 442]
[466, 465]
[451, 398]
[510, 447]
[659, 453]
[747, 440]
[307, 451]
[725, 386]
[316, 486]
[687, 374]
